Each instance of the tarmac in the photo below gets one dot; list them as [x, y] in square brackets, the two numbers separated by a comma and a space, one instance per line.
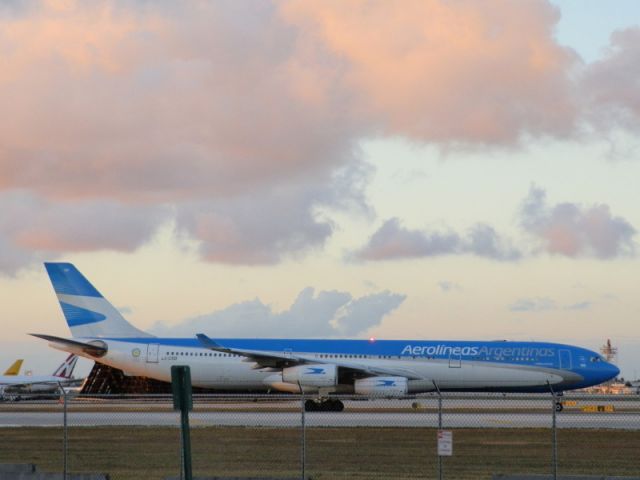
[463, 413]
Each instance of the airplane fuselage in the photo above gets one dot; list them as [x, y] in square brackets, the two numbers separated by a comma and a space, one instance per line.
[445, 365]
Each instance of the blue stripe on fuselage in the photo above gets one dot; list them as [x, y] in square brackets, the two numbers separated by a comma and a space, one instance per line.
[521, 353]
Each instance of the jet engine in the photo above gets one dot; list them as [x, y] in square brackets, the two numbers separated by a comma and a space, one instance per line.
[381, 386]
[311, 375]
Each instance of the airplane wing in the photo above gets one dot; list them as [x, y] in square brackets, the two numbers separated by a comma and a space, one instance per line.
[280, 360]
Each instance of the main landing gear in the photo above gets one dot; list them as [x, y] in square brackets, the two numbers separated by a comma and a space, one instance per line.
[559, 406]
[326, 405]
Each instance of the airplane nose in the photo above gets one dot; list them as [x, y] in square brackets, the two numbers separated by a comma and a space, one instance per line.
[614, 370]
[609, 371]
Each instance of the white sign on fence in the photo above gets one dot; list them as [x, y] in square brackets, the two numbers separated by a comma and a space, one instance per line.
[445, 443]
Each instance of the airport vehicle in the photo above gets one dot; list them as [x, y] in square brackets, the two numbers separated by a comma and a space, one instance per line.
[388, 368]
[15, 386]
[15, 367]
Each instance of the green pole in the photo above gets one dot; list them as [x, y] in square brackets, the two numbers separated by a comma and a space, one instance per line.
[186, 442]
[181, 388]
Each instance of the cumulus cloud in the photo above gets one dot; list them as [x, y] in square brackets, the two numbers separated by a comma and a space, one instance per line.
[393, 241]
[34, 229]
[452, 72]
[227, 111]
[611, 87]
[567, 229]
[574, 230]
[200, 106]
[272, 223]
[321, 314]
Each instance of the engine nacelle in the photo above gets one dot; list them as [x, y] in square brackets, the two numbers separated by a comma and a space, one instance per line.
[312, 375]
[382, 386]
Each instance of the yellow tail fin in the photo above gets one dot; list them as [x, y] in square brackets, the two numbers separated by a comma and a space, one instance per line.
[14, 369]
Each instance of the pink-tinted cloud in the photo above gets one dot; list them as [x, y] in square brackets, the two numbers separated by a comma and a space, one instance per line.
[227, 110]
[468, 71]
[153, 104]
[176, 100]
[567, 229]
[33, 228]
[574, 230]
[611, 86]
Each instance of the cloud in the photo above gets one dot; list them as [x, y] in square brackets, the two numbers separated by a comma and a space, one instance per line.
[158, 104]
[484, 241]
[585, 305]
[544, 304]
[321, 314]
[447, 286]
[33, 229]
[272, 223]
[533, 305]
[610, 85]
[393, 241]
[567, 229]
[199, 107]
[226, 112]
[574, 230]
[462, 72]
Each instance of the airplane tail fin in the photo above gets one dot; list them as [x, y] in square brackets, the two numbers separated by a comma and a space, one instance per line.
[15, 367]
[65, 370]
[87, 312]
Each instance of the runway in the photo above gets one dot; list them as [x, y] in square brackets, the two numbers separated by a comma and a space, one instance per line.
[399, 413]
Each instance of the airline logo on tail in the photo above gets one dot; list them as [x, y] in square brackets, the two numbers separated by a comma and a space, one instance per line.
[87, 312]
[66, 369]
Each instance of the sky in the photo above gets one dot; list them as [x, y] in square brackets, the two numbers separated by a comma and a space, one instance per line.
[418, 169]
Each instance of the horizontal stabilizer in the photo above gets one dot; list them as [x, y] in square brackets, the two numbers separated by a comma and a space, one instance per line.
[95, 349]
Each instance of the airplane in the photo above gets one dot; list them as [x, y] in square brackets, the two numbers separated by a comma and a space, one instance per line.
[12, 386]
[15, 367]
[387, 368]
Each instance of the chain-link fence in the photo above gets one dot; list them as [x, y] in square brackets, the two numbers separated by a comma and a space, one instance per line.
[269, 436]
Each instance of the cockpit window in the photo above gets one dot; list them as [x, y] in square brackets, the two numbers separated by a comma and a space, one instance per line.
[597, 359]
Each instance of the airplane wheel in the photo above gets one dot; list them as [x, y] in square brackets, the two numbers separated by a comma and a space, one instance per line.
[337, 406]
[311, 406]
[559, 406]
[323, 406]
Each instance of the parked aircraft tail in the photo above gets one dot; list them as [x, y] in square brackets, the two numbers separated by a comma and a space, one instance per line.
[86, 311]
[15, 367]
[65, 370]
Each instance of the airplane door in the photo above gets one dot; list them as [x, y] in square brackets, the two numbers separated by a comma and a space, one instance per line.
[565, 359]
[455, 361]
[152, 352]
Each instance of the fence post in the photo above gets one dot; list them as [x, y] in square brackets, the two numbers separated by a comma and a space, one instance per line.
[303, 452]
[183, 401]
[554, 435]
[439, 428]
[65, 435]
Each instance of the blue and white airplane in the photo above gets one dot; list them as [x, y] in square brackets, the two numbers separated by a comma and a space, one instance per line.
[388, 368]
